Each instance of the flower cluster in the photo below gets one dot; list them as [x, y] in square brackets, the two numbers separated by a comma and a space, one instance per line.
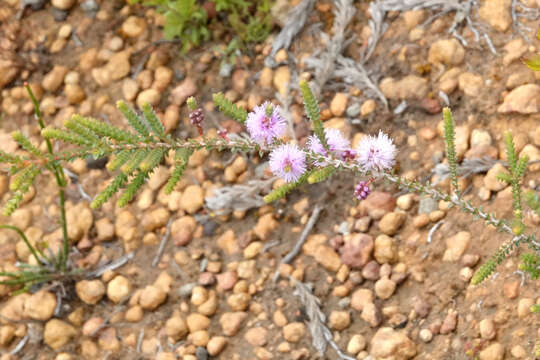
[374, 154]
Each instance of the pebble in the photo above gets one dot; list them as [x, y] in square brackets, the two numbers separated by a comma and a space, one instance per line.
[150, 96]
[239, 302]
[487, 329]
[151, 297]
[256, 336]
[294, 332]
[58, 333]
[130, 89]
[411, 87]
[357, 250]
[470, 84]
[192, 199]
[425, 335]
[63, 4]
[378, 203]
[199, 295]
[196, 322]
[231, 322]
[40, 306]
[371, 314]
[511, 289]
[524, 307]
[338, 105]
[176, 328]
[533, 153]
[450, 322]
[494, 351]
[456, 246]
[133, 26]
[185, 89]
[134, 314]
[327, 257]
[353, 110]
[265, 225]
[90, 291]
[226, 280]
[360, 298]
[391, 222]
[118, 289]
[491, 182]
[216, 345]
[384, 288]
[524, 99]
[281, 80]
[518, 352]
[52, 81]
[385, 249]
[339, 320]
[496, 13]
[356, 344]
[389, 343]
[447, 52]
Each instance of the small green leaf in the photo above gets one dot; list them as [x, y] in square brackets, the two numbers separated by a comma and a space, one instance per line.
[533, 62]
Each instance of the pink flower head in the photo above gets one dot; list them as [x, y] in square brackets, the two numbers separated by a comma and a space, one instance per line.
[362, 190]
[376, 153]
[288, 162]
[265, 123]
[337, 143]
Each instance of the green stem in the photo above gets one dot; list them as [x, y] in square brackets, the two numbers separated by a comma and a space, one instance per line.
[41, 257]
[60, 180]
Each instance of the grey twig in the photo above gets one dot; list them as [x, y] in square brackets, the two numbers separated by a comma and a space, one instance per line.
[433, 229]
[140, 340]
[301, 240]
[20, 345]
[295, 22]
[238, 197]
[162, 244]
[320, 333]
[112, 265]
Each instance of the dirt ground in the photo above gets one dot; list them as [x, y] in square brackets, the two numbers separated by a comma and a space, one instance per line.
[216, 271]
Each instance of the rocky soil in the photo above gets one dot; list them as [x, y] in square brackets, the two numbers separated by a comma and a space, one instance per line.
[392, 272]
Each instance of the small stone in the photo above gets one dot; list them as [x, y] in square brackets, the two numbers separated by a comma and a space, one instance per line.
[356, 344]
[425, 335]
[524, 307]
[411, 87]
[265, 225]
[524, 99]
[372, 315]
[134, 314]
[384, 288]
[357, 250]
[487, 329]
[338, 104]
[385, 249]
[466, 273]
[491, 182]
[58, 333]
[518, 352]
[216, 345]
[118, 66]
[151, 297]
[448, 52]
[494, 351]
[162, 78]
[239, 302]
[226, 280]
[63, 4]
[368, 107]
[405, 202]
[256, 336]
[52, 81]
[199, 338]
[7, 333]
[266, 76]
[339, 320]
[196, 322]
[533, 153]
[40, 306]
[421, 221]
[282, 78]
[391, 222]
[371, 271]
[361, 298]
[327, 257]
[150, 96]
[104, 229]
[511, 289]
[231, 322]
[185, 89]
[378, 203]
[176, 328]
[133, 26]
[90, 291]
[456, 246]
[496, 13]
[389, 343]
[118, 289]
[192, 199]
[450, 322]
[470, 84]
[130, 89]
[253, 249]
[294, 332]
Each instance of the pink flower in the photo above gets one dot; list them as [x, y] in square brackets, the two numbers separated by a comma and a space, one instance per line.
[265, 124]
[337, 143]
[288, 162]
[376, 153]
